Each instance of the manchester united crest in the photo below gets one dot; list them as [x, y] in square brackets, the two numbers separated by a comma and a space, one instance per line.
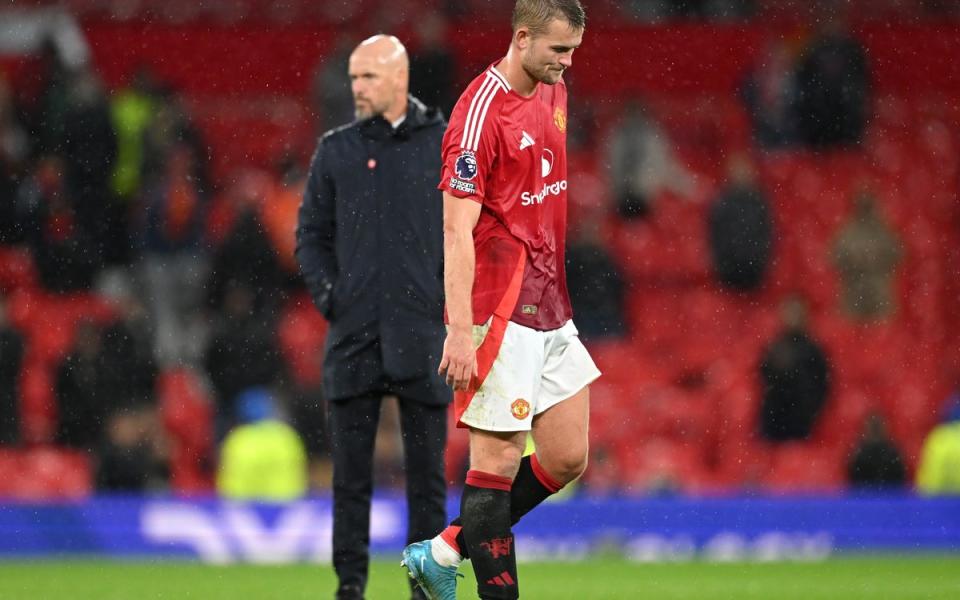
[560, 119]
[520, 409]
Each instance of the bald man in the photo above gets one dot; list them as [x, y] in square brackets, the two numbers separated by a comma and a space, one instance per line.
[370, 246]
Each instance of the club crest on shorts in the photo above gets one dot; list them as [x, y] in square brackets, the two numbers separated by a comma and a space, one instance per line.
[520, 409]
[560, 119]
[466, 166]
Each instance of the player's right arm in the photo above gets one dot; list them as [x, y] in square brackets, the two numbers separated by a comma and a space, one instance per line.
[468, 154]
[459, 361]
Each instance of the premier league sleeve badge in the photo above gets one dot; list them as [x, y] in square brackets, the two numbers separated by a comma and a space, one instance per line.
[465, 171]
[466, 166]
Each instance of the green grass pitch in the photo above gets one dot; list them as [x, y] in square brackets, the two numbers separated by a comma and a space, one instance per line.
[875, 578]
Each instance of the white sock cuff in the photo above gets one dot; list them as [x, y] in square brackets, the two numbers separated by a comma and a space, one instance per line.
[444, 554]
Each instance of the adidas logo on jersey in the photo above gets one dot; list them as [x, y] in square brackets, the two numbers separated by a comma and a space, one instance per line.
[526, 141]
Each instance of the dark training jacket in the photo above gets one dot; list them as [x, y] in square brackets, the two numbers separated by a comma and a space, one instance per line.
[370, 247]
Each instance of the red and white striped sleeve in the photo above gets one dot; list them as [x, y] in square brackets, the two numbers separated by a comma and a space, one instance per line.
[470, 143]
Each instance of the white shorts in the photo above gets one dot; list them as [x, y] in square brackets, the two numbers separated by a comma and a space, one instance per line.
[533, 370]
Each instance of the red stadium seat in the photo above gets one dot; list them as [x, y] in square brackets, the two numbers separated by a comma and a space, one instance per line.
[806, 467]
[38, 403]
[187, 414]
[17, 270]
[45, 473]
[841, 421]
[662, 464]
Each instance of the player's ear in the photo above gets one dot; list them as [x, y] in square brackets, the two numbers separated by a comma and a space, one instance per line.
[522, 37]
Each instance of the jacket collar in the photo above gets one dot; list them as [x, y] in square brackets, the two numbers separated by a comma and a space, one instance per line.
[418, 117]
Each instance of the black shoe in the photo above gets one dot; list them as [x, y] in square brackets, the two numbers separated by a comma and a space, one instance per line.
[349, 592]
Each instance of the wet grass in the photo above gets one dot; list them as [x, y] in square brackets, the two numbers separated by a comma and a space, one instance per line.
[873, 578]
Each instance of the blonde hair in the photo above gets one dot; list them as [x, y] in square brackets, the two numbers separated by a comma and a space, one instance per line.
[537, 14]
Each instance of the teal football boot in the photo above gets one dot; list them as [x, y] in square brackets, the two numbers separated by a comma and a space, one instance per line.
[436, 581]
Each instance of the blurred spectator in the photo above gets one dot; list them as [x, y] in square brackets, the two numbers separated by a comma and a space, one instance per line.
[876, 463]
[308, 415]
[246, 256]
[175, 265]
[940, 8]
[741, 229]
[80, 403]
[726, 10]
[170, 128]
[658, 10]
[89, 149]
[278, 212]
[795, 378]
[47, 99]
[866, 252]
[833, 84]
[649, 11]
[263, 457]
[63, 251]
[642, 164]
[939, 468]
[582, 128]
[688, 8]
[711, 9]
[128, 370]
[432, 65]
[331, 94]
[11, 363]
[242, 353]
[134, 454]
[42, 25]
[109, 370]
[596, 285]
[14, 149]
[132, 109]
[770, 95]
[302, 391]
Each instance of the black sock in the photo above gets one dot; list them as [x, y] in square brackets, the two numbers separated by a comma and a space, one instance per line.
[531, 487]
[485, 513]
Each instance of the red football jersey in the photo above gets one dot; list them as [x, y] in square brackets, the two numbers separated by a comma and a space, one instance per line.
[508, 152]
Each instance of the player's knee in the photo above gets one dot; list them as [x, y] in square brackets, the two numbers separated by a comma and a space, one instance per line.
[574, 466]
[567, 464]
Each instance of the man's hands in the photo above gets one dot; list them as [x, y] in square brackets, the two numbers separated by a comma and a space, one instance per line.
[459, 362]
